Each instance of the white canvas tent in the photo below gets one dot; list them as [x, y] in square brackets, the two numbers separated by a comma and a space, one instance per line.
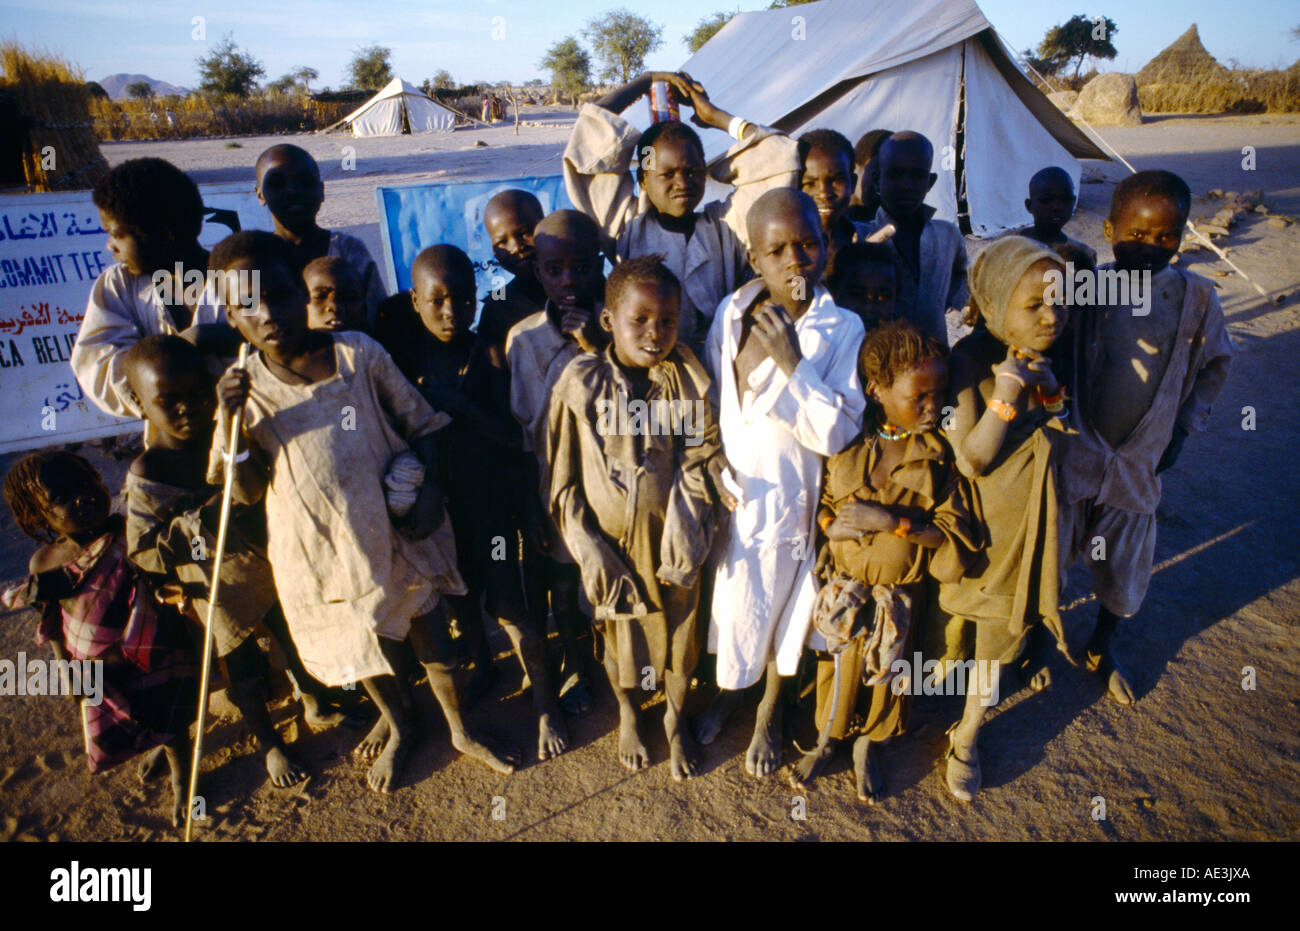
[399, 108]
[933, 66]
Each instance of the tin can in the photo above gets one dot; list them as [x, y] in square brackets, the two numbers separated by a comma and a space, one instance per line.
[663, 102]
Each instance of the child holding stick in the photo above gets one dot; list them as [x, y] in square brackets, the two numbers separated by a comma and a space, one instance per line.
[338, 438]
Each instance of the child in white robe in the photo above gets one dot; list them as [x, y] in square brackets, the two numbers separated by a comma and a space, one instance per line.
[785, 362]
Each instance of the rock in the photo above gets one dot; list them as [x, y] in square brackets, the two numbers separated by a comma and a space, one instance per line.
[1214, 194]
[1277, 223]
[1064, 100]
[1260, 208]
[1109, 99]
[1211, 229]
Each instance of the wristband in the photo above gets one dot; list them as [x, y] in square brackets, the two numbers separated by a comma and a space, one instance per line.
[238, 457]
[736, 128]
[903, 529]
[1053, 403]
[1013, 376]
[1006, 412]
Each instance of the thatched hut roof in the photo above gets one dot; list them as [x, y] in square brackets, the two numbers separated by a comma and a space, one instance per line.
[47, 122]
[1184, 61]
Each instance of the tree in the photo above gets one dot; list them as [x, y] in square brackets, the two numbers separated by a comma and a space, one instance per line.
[621, 41]
[570, 67]
[1080, 38]
[139, 90]
[370, 68]
[95, 89]
[705, 30]
[228, 70]
[284, 84]
[442, 79]
[304, 75]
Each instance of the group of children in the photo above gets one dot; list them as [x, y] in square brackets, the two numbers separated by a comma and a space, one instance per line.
[748, 443]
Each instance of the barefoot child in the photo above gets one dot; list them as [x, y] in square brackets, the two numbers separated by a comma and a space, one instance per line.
[1151, 370]
[931, 253]
[338, 438]
[1005, 425]
[785, 359]
[1051, 204]
[510, 218]
[893, 509]
[570, 267]
[864, 279]
[704, 249]
[481, 469]
[96, 606]
[335, 301]
[826, 174]
[152, 213]
[631, 498]
[172, 514]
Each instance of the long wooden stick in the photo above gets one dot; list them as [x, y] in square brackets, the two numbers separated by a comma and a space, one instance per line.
[227, 494]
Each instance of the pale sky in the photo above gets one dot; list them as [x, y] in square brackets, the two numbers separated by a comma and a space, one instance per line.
[154, 37]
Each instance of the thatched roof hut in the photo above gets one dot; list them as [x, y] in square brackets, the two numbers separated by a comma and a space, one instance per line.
[1184, 62]
[45, 109]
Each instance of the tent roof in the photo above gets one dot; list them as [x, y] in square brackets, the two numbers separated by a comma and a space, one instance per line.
[780, 67]
[1185, 60]
[397, 87]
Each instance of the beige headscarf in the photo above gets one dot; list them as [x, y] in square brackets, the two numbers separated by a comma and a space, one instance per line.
[997, 271]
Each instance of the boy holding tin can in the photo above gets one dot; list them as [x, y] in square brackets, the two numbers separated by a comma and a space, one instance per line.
[704, 249]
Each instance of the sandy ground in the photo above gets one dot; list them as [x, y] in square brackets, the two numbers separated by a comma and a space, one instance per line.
[1198, 758]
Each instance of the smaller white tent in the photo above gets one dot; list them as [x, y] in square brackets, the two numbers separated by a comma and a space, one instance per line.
[399, 108]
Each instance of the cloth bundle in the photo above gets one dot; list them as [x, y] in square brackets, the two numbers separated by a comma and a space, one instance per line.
[402, 483]
[840, 615]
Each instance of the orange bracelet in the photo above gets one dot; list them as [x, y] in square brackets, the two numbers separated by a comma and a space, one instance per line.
[1006, 412]
[903, 529]
[825, 521]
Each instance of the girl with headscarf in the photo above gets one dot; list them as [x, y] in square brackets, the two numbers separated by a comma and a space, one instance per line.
[1008, 412]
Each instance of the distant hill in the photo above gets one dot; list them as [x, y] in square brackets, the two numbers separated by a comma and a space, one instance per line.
[115, 85]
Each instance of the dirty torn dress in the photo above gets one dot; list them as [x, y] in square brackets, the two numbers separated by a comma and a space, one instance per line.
[632, 503]
[344, 575]
[1013, 582]
[924, 486]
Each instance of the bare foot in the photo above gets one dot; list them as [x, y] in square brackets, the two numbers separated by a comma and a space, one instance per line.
[387, 767]
[809, 766]
[684, 757]
[503, 760]
[552, 739]
[764, 754]
[283, 769]
[709, 725]
[151, 765]
[866, 771]
[1102, 661]
[373, 743]
[575, 696]
[322, 715]
[631, 749]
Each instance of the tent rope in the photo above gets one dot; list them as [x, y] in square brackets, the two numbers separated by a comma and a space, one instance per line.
[1097, 137]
